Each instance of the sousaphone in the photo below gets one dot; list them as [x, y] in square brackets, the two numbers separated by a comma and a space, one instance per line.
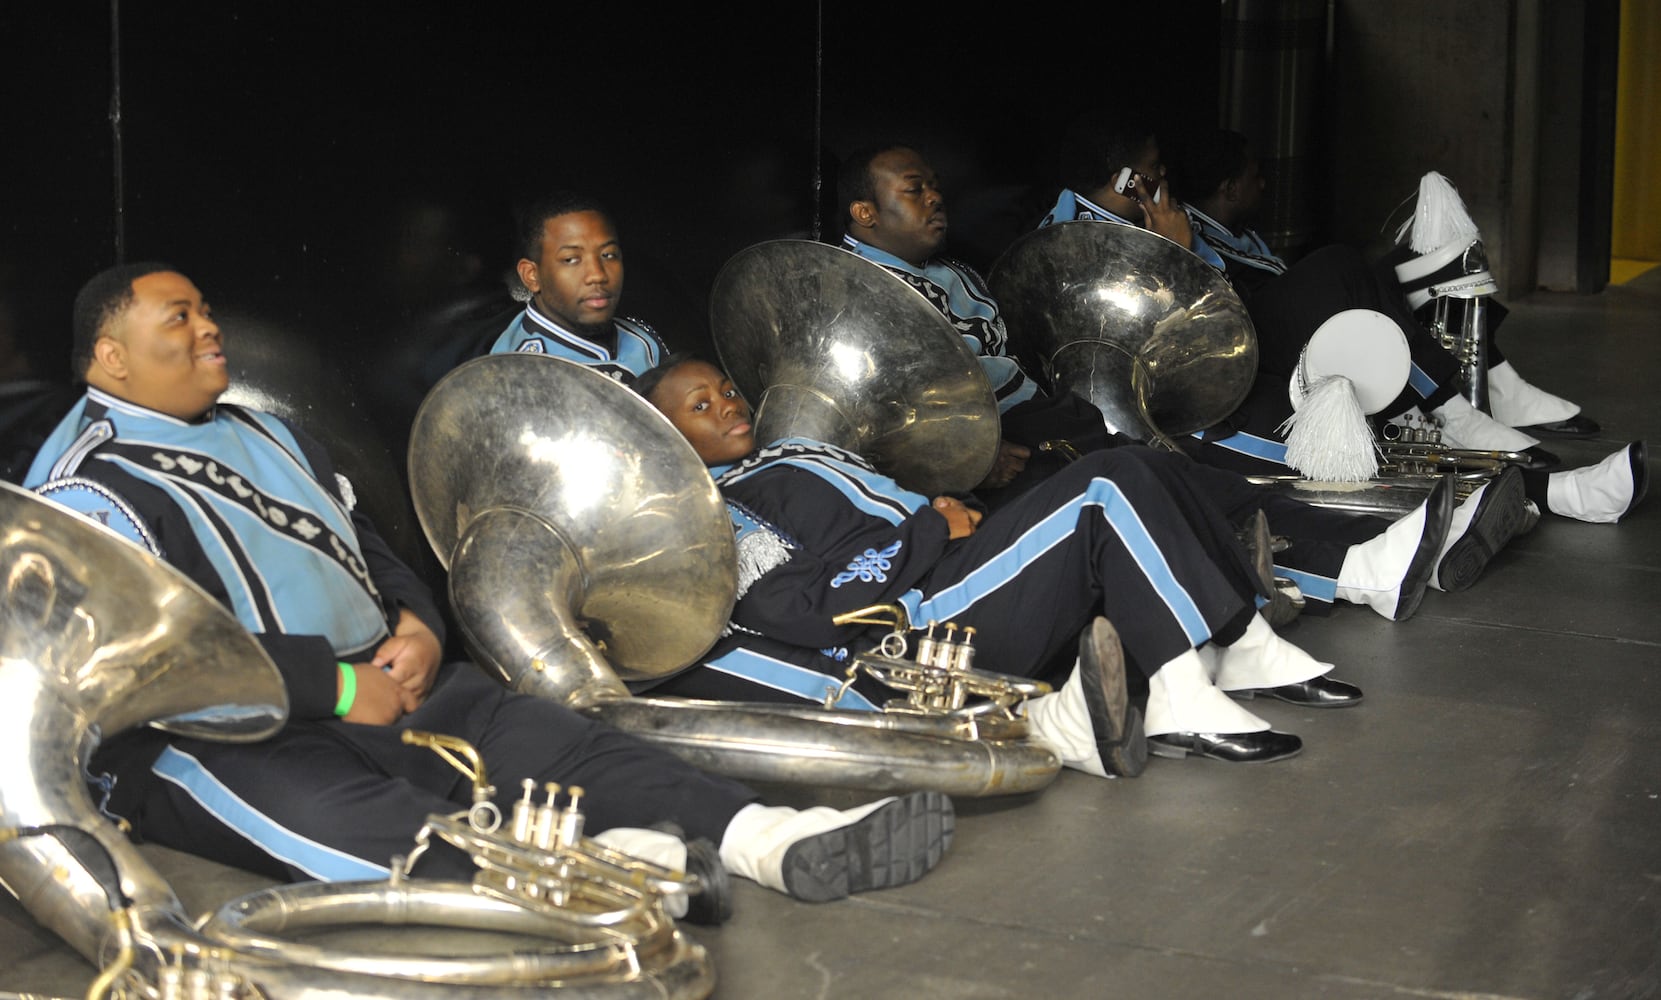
[588, 546]
[97, 636]
[1153, 336]
[830, 346]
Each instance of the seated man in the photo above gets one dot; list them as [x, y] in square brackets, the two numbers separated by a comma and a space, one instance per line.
[897, 219]
[572, 265]
[1287, 302]
[824, 533]
[251, 509]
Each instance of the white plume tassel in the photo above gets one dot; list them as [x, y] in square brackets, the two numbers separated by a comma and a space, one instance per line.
[1328, 437]
[1440, 217]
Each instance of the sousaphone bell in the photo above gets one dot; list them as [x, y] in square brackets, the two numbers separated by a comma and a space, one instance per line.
[830, 346]
[1152, 335]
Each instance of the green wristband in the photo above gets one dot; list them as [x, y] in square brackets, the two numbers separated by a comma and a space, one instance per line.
[348, 689]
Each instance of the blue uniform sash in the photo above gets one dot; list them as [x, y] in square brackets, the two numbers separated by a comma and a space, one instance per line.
[961, 296]
[283, 546]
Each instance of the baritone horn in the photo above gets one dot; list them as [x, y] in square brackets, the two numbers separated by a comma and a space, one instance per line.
[98, 636]
[588, 546]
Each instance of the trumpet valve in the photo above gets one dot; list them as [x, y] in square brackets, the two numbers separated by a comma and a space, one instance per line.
[926, 646]
[943, 652]
[547, 819]
[571, 819]
[524, 813]
[963, 654]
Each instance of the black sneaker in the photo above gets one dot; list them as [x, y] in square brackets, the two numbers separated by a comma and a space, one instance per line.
[897, 843]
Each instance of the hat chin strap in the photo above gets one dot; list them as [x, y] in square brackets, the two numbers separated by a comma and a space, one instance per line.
[1452, 271]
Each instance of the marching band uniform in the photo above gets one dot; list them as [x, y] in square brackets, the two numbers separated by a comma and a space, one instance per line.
[634, 347]
[251, 510]
[823, 533]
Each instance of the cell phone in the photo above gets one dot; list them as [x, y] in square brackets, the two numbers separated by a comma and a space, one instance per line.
[1127, 177]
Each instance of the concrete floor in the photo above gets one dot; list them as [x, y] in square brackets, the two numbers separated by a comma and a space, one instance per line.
[1487, 825]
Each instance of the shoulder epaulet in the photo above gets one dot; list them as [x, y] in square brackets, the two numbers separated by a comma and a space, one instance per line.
[97, 502]
[97, 434]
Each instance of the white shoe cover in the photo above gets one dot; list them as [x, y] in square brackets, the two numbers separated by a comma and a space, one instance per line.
[1182, 699]
[1373, 571]
[659, 848]
[1262, 659]
[1516, 402]
[1601, 493]
[1465, 426]
[1061, 722]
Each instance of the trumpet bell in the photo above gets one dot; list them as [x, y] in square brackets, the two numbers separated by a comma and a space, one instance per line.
[830, 346]
[624, 523]
[1149, 333]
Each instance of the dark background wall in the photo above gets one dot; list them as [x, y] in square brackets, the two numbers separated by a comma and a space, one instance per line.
[338, 177]
[320, 160]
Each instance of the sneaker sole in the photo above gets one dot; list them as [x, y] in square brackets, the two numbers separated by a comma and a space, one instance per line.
[1498, 519]
[892, 846]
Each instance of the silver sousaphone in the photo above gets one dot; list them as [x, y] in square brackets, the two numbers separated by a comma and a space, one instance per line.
[1153, 336]
[97, 636]
[830, 346]
[587, 545]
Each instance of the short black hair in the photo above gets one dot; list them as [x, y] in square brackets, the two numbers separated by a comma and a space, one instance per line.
[854, 181]
[1096, 145]
[649, 380]
[1200, 163]
[104, 297]
[548, 206]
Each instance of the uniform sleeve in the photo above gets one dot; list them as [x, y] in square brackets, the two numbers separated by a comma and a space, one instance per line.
[842, 559]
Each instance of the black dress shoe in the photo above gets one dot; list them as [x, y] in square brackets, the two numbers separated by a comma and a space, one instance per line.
[1636, 454]
[1540, 460]
[713, 906]
[1236, 748]
[1286, 601]
[1316, 692]
[1439, 507]
[1578, 425]
[1117, 723]
[1499, 516]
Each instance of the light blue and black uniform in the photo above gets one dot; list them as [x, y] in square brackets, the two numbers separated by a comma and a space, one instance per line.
[1102, 536]
[962, 297]
[1071, 206]
[633, 347]
[252, 511]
